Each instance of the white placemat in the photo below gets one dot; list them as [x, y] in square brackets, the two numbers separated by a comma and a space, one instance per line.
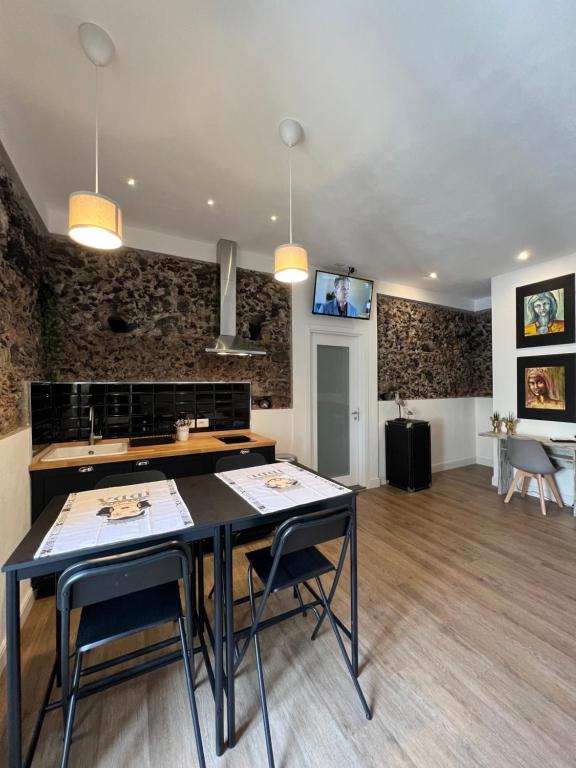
[111, 515]
[307, 487]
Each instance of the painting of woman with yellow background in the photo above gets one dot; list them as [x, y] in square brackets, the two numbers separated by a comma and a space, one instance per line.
[545, 388]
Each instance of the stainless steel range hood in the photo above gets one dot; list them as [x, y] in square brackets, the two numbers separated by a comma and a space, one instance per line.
[228, 343]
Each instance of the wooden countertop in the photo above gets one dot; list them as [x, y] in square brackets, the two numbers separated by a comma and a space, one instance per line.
[205, 442]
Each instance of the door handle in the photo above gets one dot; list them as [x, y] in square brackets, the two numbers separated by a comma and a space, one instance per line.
[85, 469]
[143, 463]
[356, 414]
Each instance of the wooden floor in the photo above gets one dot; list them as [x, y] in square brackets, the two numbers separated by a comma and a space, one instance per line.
[468, 653]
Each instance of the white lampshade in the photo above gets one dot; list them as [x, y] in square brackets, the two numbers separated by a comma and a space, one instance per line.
[290, 263]
[94, 220]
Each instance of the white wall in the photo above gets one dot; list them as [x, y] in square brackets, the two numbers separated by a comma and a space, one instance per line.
[15, 454]
[504, 352]
[453, 426]
[483, 408]
[276, 423]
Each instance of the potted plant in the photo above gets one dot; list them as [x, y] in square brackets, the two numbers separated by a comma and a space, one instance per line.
[496, 421]
[183, 429]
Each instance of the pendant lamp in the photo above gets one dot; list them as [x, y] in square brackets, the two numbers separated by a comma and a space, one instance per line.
[291, 259]
[94, 219]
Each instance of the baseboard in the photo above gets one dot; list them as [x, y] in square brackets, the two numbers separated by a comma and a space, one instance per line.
[375, 482]
[442, 465]
[484, 462]
[26, 604]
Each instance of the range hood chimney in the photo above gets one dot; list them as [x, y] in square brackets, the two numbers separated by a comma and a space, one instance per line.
[228, 343]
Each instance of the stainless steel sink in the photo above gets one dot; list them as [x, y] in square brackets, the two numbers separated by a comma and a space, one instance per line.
[85, 451]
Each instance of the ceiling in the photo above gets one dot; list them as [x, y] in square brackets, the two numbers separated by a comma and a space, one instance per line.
[440, 136]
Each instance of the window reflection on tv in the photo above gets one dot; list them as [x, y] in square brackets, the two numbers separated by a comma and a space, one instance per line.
[342, 295]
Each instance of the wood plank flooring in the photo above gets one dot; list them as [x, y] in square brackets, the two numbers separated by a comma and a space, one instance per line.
[468, 653]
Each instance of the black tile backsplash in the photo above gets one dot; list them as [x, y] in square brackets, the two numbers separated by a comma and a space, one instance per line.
[61, 412]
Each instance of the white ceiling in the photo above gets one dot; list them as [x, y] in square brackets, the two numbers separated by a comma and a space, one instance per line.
[439, 135]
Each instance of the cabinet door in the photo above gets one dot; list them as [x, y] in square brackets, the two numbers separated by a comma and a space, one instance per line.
[181, 466]
[267, 452]
[59, 481]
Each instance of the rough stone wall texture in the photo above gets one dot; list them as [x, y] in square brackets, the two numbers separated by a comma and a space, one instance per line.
[21, 247]
[427, 351]
[166, 312]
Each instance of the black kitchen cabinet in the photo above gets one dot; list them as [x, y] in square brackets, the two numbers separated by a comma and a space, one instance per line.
[408, 454]
[47, 483]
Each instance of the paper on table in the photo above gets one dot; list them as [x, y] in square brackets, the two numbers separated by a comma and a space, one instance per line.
[112, 515]
[250, 483]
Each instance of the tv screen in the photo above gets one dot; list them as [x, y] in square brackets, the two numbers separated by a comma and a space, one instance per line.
[342, 295]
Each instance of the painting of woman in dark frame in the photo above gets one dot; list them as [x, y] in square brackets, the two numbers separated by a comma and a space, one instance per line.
[547, 387]
[545, 312]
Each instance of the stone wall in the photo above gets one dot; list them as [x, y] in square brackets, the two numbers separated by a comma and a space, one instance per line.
[21, 248]
[136, 315]
[426, 351]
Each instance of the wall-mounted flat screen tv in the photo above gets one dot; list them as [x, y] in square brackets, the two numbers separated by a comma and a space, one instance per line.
[342, 295]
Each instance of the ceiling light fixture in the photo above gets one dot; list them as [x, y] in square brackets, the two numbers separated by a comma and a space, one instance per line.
[131, 182]
[209, 201]
[94, 219]
[290, 260]
[433, 275]
[523, 255]
[273, 218]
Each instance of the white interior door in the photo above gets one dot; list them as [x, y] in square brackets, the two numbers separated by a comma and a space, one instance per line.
[336, 417]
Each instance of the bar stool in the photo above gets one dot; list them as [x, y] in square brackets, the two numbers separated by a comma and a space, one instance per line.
[530, 460]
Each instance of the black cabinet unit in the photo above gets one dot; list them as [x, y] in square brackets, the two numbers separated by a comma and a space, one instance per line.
[408, 455]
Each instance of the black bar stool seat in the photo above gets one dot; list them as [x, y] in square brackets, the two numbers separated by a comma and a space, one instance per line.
[122, 616]
[293, 568]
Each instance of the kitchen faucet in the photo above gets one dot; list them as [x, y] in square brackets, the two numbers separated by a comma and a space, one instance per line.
[92, 439]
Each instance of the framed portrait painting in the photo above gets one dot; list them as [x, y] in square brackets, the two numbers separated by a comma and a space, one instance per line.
[545, 312]
[547, 387]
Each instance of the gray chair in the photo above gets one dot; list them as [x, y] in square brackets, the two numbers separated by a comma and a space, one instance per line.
[531, 461]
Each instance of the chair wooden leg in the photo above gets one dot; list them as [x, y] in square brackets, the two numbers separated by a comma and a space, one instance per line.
[517, 476]
[525, 485]
[554, 488]
[541, 492]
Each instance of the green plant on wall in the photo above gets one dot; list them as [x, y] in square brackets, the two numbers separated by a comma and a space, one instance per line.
[47, 303]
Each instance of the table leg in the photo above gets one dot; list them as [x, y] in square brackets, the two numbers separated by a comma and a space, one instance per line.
[13, 670]
[201, 606]
[229, 607]
[354, 590]
[218, 644]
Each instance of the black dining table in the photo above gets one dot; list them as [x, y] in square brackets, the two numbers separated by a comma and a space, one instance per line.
[218, 513]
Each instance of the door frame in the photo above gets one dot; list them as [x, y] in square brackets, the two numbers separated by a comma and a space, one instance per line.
[363, 395]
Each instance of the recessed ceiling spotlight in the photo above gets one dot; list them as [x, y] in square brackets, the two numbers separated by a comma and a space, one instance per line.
[131, 182]
[210, 201]
[433, 275]
[523, 255]
[273, 217]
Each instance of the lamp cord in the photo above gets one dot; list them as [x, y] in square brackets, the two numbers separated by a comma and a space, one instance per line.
[96, 141]
[290, 188]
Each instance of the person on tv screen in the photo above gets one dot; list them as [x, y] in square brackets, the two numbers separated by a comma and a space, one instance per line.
[339, 304]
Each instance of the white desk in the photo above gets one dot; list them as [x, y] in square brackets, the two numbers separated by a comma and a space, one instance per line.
[559, 452]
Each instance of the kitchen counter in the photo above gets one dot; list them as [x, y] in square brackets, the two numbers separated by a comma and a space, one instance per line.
[205, 442]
